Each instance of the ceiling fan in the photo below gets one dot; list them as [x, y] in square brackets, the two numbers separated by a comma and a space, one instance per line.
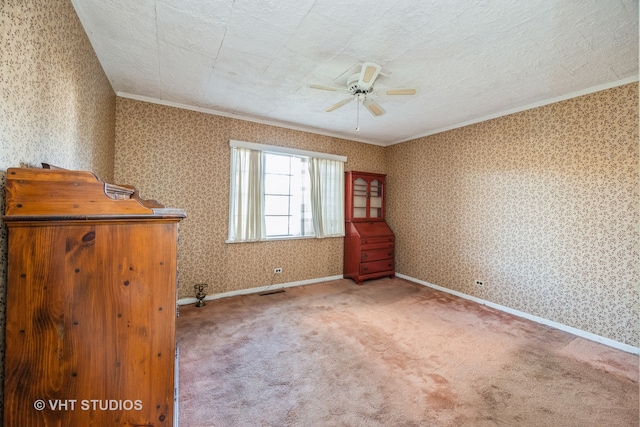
[360, 86]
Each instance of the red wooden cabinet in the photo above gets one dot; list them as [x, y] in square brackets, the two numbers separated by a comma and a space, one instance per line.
[369, 244]
[364, 196]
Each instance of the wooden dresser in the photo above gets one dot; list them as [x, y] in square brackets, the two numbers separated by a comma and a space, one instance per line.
[369, 243]
[91, 303]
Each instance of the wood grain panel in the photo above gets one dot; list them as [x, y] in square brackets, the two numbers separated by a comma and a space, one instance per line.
[95, 324]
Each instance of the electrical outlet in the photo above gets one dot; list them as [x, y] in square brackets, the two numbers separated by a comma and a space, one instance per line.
[277, 270]
[479, 283]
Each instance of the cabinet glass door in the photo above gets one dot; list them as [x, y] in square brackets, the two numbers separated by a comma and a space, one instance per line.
[360, 198]
[375, 199]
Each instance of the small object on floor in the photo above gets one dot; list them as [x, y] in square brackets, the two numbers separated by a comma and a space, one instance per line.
[200, 294]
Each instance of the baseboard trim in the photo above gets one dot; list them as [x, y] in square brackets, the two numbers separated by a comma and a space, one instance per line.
[191, 300]
[578, 332]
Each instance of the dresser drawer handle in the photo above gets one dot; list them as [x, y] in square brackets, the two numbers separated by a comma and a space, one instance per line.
[365, 268]
[390, 253]
[365, 256]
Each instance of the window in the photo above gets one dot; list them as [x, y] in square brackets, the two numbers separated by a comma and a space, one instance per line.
[287, 197]
[277, 192]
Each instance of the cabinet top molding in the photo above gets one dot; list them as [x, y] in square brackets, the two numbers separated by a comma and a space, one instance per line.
[52, 193]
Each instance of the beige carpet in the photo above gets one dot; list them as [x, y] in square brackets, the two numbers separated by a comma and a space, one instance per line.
[391, 353]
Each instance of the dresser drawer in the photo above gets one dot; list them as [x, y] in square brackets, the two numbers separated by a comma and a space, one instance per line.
[376, 254]
[376, 266]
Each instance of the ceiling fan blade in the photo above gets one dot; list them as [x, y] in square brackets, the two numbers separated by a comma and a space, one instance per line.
[338, 105]
[368, 75]
[403, 91]
[373, 107]
[324, 87]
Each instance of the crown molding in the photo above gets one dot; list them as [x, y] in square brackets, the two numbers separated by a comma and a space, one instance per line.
[316, 131]
[523, 108]
[252, 119]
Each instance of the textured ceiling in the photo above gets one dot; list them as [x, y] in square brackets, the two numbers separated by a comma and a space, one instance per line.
[469, 60]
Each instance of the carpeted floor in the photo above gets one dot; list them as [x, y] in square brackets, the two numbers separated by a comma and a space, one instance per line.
[391, 353]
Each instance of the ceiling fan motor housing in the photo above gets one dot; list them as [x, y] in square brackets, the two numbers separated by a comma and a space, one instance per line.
[352, 85]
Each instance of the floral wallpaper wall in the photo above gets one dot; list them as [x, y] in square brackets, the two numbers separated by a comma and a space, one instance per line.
[181, 158]
[56, 104]
[541, 206]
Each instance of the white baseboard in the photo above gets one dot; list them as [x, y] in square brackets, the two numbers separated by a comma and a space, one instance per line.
[186, 301]
[578, 332]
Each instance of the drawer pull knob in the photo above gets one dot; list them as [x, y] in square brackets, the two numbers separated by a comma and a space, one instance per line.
[390, 253]
[365, 256]
[366, 268]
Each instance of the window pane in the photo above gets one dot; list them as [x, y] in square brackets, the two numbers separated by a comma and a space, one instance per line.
[275, 163]
[276, 184]
[276, 205]
[307, 225]
[360, 212]
[360, 201]
[360, 187]
[277, 225]
[376, 188]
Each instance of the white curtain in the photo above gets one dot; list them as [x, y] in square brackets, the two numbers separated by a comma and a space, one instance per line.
[246, 208]
[327, 196]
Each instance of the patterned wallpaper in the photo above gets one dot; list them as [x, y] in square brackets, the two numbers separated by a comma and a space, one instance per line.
[181, 158]
[56, 104]
[542, 206]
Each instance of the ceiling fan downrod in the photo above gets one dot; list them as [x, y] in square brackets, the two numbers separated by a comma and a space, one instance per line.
[358, 111]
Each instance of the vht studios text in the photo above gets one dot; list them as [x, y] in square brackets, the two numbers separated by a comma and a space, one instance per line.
[88, 405]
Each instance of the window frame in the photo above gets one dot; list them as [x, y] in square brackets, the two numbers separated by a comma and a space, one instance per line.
[279, 150]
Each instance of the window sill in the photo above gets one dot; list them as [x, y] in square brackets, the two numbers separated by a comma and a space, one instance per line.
[277, 239]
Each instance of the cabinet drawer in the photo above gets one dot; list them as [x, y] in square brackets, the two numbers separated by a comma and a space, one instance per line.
[376, 266]
[377, 243]
[376, 240]
[377, 254]
[385, 245]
